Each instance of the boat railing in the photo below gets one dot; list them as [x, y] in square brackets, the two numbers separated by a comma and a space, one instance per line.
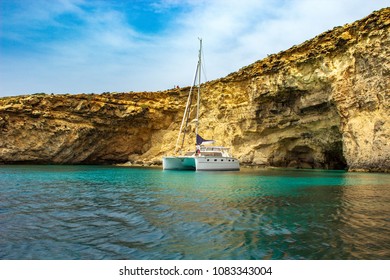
[213, 148]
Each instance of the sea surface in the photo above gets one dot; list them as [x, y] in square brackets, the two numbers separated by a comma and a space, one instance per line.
[106, 212]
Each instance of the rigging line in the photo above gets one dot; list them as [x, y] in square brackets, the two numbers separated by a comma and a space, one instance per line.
[186, 122]
[199, 83]
[185, 115]
[187, 112]
[197, 76]
[182, 122]
[204, 68]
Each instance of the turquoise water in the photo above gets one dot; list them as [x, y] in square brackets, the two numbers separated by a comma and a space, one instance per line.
[101, 212]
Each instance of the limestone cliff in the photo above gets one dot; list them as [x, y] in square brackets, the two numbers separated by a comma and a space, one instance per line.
[82, 128]
[322, 104]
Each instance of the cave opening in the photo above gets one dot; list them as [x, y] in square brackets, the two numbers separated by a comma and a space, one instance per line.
[304, 156]
[334, 156]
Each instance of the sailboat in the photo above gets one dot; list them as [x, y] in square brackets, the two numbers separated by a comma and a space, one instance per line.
[205, 157]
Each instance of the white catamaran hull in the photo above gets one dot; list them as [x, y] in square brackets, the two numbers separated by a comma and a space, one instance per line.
[200, 163]
[178, 163]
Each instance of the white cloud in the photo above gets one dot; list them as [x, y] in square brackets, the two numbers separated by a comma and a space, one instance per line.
[106, 53]
[238, 33]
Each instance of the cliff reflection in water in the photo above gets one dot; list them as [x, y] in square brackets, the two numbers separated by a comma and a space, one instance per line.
[364, 217]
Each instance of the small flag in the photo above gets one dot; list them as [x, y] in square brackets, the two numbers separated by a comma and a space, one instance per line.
[200, 140]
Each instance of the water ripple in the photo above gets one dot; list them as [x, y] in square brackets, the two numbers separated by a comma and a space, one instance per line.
[87, 212]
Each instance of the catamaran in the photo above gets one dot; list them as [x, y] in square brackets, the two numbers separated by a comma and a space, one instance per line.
[204, 157]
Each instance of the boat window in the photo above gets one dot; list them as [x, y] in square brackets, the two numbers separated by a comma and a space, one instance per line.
[212, 154]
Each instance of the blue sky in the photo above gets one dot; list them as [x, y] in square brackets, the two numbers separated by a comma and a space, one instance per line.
[76, 46]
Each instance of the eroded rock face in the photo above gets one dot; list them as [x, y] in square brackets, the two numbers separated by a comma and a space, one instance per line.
[321, 104]
[82, 128]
